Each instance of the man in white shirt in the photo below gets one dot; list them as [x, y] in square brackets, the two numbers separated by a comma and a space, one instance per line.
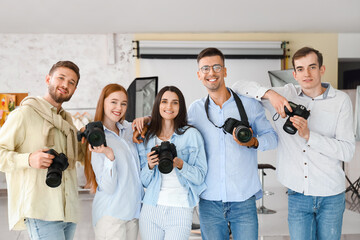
[309, 162]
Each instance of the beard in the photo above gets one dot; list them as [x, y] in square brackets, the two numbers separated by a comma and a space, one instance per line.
[56, 98]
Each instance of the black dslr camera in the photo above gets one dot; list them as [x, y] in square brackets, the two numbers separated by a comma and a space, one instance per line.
[94, 133]
[242, 130]
[54, 173]
[298, 110]
[167, 153]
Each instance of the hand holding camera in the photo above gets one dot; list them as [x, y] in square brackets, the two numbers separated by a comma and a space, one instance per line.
[94, 133]
[54, 173]
[239, 129]
[40, 159]
[109, 153]
[252, 143]
[163, 156]
[297, 110]
[278, 102]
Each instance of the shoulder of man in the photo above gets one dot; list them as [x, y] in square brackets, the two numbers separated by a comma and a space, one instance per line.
[199, 103]
[247, 100]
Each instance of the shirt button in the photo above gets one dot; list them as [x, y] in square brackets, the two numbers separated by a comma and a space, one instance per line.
[247, 93]
[257, 96]
[305, 176]
[303, 150]
[305, 163]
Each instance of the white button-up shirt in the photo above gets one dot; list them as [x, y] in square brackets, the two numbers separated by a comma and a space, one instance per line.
[312, 167]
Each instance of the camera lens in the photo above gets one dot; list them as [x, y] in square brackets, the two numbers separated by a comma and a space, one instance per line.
[165, 162]
[289, 127]
[54, 173]
[243, 134]
[96, 138]
[53, 178]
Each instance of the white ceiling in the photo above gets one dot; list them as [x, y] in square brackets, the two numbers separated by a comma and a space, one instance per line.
[169, 16]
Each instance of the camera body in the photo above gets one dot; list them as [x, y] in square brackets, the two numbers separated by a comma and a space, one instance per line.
[242, 130]
[167, 153]
[298, 110]
[54, 173]
[94, 133]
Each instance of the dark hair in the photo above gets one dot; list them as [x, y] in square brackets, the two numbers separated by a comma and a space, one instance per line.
[66, 64]
[99, 116]
[180, 120]
[302, 52]
[210, 52]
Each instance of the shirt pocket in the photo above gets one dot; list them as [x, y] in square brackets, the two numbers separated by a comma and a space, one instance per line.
[188, 155]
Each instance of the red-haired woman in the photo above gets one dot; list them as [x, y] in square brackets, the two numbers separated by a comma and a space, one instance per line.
[113, 171]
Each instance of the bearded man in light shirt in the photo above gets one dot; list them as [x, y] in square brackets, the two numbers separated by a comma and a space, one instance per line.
[232, 180]
[35, 202]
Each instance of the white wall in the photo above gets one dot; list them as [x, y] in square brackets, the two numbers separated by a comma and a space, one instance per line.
[349, 48]
[25, 60]
[183, 73]
[349, 45]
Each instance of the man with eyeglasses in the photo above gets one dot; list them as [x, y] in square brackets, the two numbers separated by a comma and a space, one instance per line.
[233, 185]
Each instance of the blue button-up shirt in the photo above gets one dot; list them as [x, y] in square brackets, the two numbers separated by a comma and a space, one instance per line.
[119, 191]
[232, 169]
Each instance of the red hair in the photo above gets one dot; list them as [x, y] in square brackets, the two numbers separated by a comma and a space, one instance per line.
[99, 116]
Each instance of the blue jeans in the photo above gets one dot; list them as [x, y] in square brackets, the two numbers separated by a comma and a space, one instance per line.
[50, 230]
[312, 218]
[216, 216]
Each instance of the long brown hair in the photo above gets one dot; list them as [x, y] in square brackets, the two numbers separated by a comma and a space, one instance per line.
[99, 116]
[156, 120]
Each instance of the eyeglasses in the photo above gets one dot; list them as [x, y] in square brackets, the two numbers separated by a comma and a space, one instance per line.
[206, 69]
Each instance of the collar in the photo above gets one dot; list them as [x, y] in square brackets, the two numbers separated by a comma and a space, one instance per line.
[231, 98]
[53, 109]
[118, 125]
[329, 92]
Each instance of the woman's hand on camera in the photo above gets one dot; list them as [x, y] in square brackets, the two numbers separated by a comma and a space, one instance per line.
[109, 153]
[153, 159]
[178, 163]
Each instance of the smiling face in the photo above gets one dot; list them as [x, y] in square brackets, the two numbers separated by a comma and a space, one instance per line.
[61, 85]
[308, 73]
[169, 105]
[115, 106]
[213, 81]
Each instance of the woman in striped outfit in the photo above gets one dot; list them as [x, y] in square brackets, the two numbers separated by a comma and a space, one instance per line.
[172, 188]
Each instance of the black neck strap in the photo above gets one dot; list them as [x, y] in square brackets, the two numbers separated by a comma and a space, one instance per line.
[239, 105]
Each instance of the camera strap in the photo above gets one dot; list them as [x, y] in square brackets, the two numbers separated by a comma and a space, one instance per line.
[239, 105]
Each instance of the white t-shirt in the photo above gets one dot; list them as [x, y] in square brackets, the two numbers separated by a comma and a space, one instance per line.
[172, 193]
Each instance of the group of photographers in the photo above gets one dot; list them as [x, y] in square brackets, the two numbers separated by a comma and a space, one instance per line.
[206, 156]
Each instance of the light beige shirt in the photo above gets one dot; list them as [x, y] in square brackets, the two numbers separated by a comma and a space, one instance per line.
[28, 194]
